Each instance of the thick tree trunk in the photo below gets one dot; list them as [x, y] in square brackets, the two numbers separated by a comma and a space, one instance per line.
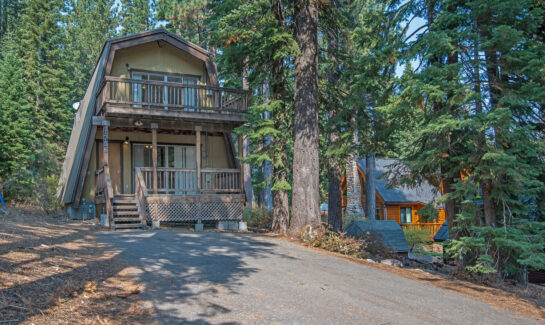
[306, 195]
[281, 212]
[370, 188]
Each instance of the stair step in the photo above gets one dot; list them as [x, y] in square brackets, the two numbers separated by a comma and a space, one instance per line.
[128, 226]
[125, 213]
[125, 207]
[118, 201]
[127, 219]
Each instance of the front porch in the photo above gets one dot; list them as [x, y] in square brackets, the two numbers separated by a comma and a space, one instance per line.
[184, 165]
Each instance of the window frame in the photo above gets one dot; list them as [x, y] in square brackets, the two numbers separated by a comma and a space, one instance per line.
[403, 215]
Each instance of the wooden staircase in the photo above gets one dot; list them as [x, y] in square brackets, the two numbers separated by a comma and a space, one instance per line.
[126, 214]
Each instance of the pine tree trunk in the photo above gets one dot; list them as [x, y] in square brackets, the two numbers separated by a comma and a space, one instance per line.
[334, 201]
[248, 187]
[450, 206]
[370, 188]
[492, 72]
[334, 194]
[306, 195]
[279, 173]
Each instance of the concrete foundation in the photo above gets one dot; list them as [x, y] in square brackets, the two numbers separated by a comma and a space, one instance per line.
[242, 226]
[156, 225]
[199, 227]
[227, 225]
[104, 222]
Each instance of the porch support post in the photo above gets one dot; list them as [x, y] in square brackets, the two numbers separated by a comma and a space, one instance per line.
[198, 156]
[105, 125]
[241, 164]
[154, 154]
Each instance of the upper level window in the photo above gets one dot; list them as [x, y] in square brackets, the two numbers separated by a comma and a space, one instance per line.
[154, 95]
[405, 215]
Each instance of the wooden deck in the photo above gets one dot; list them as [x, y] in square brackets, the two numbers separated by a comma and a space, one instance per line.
[157, 99]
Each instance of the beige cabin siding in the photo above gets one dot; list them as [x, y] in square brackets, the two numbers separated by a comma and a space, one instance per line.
[151, 57]
[88, 192]
[217, 156]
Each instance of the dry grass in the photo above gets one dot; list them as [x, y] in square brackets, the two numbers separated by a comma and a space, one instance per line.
[53, 271]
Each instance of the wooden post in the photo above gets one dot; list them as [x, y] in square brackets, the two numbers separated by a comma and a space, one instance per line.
[105, 125]
[154, 154]
[241, 164]
[198, 156]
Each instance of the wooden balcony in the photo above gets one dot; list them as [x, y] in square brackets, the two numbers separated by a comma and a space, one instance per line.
[129, 97]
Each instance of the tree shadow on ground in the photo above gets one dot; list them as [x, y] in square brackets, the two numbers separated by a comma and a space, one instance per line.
[185, 272]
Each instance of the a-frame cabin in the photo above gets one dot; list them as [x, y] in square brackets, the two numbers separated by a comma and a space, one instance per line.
[152, 137]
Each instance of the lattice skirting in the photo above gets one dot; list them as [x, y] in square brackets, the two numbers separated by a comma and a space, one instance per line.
[193, 211]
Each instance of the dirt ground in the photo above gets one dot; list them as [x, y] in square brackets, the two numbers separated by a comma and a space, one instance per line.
[52, 271]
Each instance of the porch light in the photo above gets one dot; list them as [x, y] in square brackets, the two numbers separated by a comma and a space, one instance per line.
[138, 123]
[126, 140]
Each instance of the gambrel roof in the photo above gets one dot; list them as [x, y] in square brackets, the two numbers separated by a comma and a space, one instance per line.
[83, 132]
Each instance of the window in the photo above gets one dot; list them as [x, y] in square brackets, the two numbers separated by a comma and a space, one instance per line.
[155, 95]
[405, 215]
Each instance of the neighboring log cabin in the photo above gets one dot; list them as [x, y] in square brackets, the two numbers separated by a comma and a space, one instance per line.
[152, 138]
[400, 203]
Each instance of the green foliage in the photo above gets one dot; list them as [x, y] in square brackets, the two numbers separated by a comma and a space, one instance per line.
[136, 16]
[16, 127]
[259, 218]
[89, 24]
[416, 237]
[428, 213]
[511, 251]
[185, 18]
[36, 182]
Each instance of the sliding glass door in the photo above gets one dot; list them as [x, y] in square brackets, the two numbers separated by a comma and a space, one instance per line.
[170, 181]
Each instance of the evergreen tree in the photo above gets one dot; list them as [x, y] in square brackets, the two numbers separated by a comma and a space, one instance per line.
[44, 71]
[16, 127]
[136, 16]
[265, 47]
[89, 24]
[185, 18]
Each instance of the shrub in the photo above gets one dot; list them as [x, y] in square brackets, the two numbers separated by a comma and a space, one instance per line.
[416, 237]
[368, 245]
[259, 218]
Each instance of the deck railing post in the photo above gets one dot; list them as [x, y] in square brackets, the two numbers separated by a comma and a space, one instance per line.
[241, 164]
[198, 156]
[154, 154]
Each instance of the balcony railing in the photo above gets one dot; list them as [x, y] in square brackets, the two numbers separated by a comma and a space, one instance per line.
[158, 95]
[182, 181]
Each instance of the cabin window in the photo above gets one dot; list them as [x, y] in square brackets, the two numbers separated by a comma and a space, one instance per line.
[405, 215]
[163, 94]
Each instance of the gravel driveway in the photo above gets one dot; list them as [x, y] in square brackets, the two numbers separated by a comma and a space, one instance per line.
[231, 278]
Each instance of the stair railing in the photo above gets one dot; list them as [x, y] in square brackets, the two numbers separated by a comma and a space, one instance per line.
[141, 194]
